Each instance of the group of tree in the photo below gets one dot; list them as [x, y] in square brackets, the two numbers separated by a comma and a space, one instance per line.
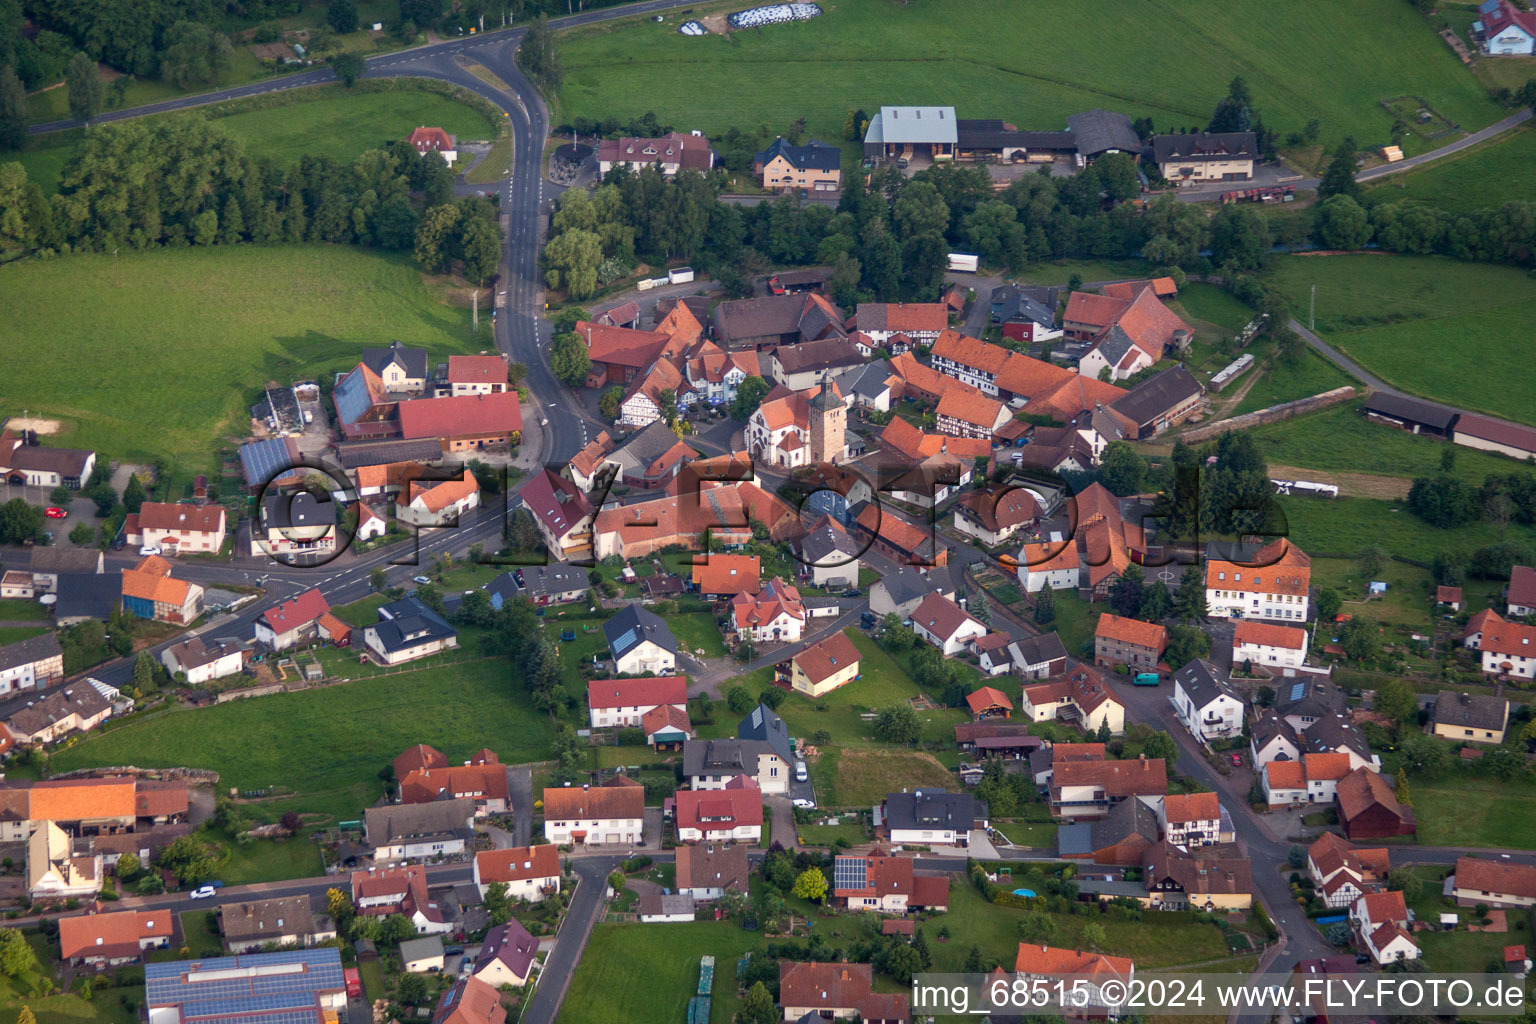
[1233, 495]
[186, 181]
[518, 633]
[1448, 501]
[539, 58]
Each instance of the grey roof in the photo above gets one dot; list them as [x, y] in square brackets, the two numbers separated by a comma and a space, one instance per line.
[194, 652]
[814, 155]
[1335, 732]
[869, 379]
[535, 581]
[1270, 724]
[408, 622]
[1308, 698]
[1114, 344]
[1099, 131]
[1040, 760]
[267, 919]
[906, 583]
[913, 124]
[826, 354]
[1203, 682]
[1205, 146]
[1038, 650]
[640, 451]
[86, 595]
[826, 540]
[1411, 410]
[448, 819]
[763, 724]
[30, 650]
[1471, 710]
[382, 453]
[632, 626]
[421, 949]
[413, 360]
[83, 697]
[1098, 887]
[1157, 394]
[296, 511]
[1125, 819]
[59, 560]
[933, 810]
[723, 757]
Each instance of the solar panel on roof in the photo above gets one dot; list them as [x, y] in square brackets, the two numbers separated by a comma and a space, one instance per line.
[262, 460]
[624, 642]
[849, 873]
[1298, 690]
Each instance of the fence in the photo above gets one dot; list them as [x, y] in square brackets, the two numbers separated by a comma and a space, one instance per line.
[1274, 414]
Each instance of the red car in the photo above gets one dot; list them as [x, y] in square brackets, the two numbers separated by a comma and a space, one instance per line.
[1237, 759]
[54, 512]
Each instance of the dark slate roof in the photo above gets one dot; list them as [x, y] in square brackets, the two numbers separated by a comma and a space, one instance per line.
[87, 595]
[1157, 394]
[1043, 648]
[1411, 410]
[32, 649]
[1333, 732]
[413, 359]
[1203, 682]
[907, 583]
[634, 625]
[1076, 840]
[1115, 344]
[382, 453]
[822, 542]
[1205, 146]
[933, 810]
[723, 757]
[446, 818]
[294, 511]
[408, 622]
[540, 581]
[1472, 710]
[763, 724]
[650, 444]
[261, 461]
[1098, 131]
[814, 155]
[1125, 819]
[1308, 698]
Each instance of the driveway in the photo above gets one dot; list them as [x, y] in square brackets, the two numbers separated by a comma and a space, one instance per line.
[520, 784]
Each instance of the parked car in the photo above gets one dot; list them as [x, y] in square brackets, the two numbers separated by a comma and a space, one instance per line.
[421, 580]
[54, 512]
[203, 892]
[805, 802]
[855, 592]
[1237, 760]
[149, 549]
[801, 775]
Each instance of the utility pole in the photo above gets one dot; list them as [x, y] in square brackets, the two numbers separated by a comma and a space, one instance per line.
[117, 270]
[476, 296]
[1312, 310]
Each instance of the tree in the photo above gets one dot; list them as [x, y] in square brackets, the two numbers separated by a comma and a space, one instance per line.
[497, 903]
[897, 724]
[144, 672]
[1342, 223]
[412, 988]
[1161, 745]
[85, 89]
[1189, 599]
[758, 1006]
[1328, 604]
[537, 55]
[1502, 763]
[348, 66]
[749, 395]
[1339, 177]
[189, 859]
[1093, 935]
[1528, 734]
[378, 580]
[13, 111]
[338, 904]
[1361, 639]
[571, 260]
[1296, 857]
[16, 956]
[611, 402]
[1102, 734]
[1045, 608]
[569, 361]
[133, 495]
[1185, 644]
[194, 54]
[1396, 699]
[82, 535]
[1036, 926]
[341, 15]
[739, 699]
[1125, 596]
[1421, 755]
[128, 867]
[1403, 880]
[900, 960]
[1122, 468]
[811, 885]
[1156, 602]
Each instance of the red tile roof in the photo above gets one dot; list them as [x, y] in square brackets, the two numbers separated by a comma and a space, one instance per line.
[1116, 778]
[728, 574]
[159, 515]
[1330, 767]
[112, 936]
[1132, 631]
[419, 756]
[1492, 876]
[1285, 775]
[608, 802]
[461, 416]
[1522, 585]
[1032, 959]
[477, 370]
[473, 781]
[1268, 634]
[518, 863]
[837, 986]
[1278, 568]
[296, 611]
[940, 616]
[988, 697]
[1181, 808]
[827, 658]
[664, 716]
[1380, 907]
[719, 810]
[431, 139]
[637, 693]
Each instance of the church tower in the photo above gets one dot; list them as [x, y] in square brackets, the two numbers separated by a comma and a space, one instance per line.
[829, 424]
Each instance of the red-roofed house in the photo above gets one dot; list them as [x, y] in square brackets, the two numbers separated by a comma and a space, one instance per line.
[1505, 29]
[886, 885]
[945, 624]
[1086, 789]
[622, 703]
[437, 502]
[529, 872]
[994, 517]
[1192, 819]
[464, 422]
[672, 152]
[732, 814]
[727, 575]
[837, 991]
[822, 667]
[1381, 921]
[294, 621]
[150, 592]
[1269, 644]
[177, 528]
[419, 756]
[1122, 641]
[1368, 809]
[562, 513]
[774, 614]
[1272, 584]
[485, 784]
[434, 140]
[1508, 648]
[1494, 882]
[989, 702]
[475, 375]
[1095, 970]
[105, 940]
[666, 728]
[962, 415]
[921, 322]
[380, 892]
[619, 355]
[1082, 699]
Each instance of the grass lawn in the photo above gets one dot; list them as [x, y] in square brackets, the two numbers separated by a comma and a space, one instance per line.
[1347, 526]
[1341, 439]
[1280, 382]
[864, 777]
[267, 860]
[372, 972]
[1078, 59]
[311, 744]
[1433, 327]
[362, 613]
[199, 934]
[851, 832]
[697, 631]
[220, 321]
[1039, 834]
[1476, 812]
[1460, 951]
[1480, 178]
[13, 634]
[1075, 620]
[15, 609]
[1214, 305]
[108, 1007]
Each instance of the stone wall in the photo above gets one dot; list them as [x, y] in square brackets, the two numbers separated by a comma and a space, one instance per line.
[1274, 414]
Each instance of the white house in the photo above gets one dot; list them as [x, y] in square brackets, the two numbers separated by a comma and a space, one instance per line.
[1271, 738]
[732, 814]
[419, 831]
[1192, 819]
[1381, 921]
[438, 503]
[1054, 565]
[1206, 703]
[1269, 584]
[1285, 783]
[294, 621]
[1506, 30]
[776, 614]
[946, 625]
[639, 641]
[59, 867]
[1520, 596]
[612, 814]
[930, 817]
[1342, 873]
[529, 872]
[1508, 648]
[622, 703]
[1269, 644]
[203, 662]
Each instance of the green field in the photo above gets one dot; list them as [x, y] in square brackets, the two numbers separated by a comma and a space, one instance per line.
[1341, 439]
[208, 326]
[1475, 179]
[1336, 63]
[14, 634]
[325, 747]
[1279, 382]
[1347, 526]
[1433, 327]
[642, 975]
[326, 121]
[1476, 812]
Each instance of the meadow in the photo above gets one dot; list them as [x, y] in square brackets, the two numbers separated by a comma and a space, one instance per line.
[323, 120]
[1476, 812]
[1279, 381]
[208, 325]
[322, 749]
[1475, 179]
[1347, 526]
[1434, 327]
[1335, 63]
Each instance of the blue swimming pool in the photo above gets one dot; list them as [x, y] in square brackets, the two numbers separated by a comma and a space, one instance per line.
[1024, 892]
